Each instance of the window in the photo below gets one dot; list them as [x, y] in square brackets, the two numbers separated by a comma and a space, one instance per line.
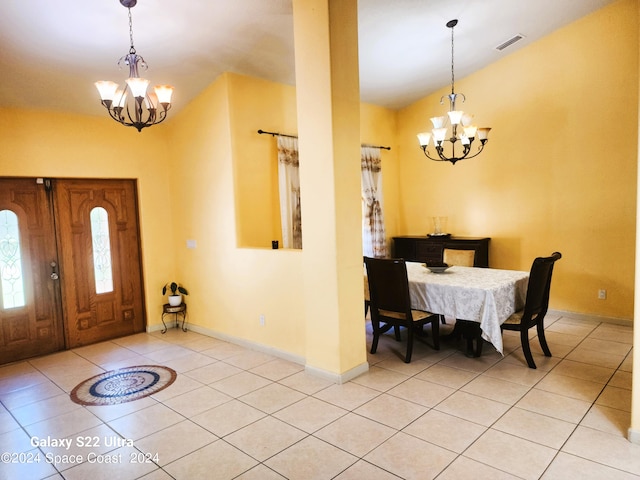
[11, 280]
[101, 250]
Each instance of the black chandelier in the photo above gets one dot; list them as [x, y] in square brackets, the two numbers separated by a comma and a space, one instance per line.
[462, 129]
[143, 108]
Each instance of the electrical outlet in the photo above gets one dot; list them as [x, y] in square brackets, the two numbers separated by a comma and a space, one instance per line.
[262, 319]
[602, 294]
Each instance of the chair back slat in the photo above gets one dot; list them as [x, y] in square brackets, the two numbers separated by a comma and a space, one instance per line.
[388, 284]
[537, 301]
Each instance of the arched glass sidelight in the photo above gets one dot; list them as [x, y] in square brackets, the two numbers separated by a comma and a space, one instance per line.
[101, 250]
[11, 279]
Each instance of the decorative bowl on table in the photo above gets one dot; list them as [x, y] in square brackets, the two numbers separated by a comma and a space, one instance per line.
[437, 267]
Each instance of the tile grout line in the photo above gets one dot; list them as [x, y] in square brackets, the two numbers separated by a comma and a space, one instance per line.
[352, 410]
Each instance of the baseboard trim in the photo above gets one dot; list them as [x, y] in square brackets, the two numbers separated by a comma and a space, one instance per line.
[338, 378]
[627, 322]
[633, 436]
[258, 347]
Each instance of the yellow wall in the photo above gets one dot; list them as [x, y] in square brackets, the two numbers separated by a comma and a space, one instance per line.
[230, 287]
[258, 104]
[48, 144]
[559, 170]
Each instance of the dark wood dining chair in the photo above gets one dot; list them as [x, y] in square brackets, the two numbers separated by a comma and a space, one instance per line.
[390, 304]
[535, 307]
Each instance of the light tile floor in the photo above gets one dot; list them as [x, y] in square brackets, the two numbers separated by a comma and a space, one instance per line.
[237, 413]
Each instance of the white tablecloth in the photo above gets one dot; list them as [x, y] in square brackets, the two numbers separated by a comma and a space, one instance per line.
[485, 295]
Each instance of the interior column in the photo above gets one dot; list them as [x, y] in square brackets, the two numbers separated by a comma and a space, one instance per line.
[328, 111]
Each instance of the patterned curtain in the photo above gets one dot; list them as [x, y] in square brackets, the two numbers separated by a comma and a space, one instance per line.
[289, 185]
[374, 241]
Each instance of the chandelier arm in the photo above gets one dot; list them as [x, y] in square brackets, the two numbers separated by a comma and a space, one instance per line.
[426, 152]
[154, 116]
[480, 148]
[441, 157]
[162, 116]
[113, 113]
[128, 120]
[453, 159]
[138, 122]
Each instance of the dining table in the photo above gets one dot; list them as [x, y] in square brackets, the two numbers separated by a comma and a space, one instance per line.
[471, 295]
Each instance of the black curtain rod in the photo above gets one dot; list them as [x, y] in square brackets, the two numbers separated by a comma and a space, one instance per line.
[276, 134]
[375, 146]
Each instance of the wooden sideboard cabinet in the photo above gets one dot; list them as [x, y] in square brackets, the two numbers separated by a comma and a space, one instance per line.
[429, 249]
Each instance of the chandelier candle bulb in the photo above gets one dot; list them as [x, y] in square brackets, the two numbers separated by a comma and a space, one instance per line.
[164, 93]
[439, 134]
[483, 134]
[424, 138]
[106, 89]
[138, 86]
[470, 131]
[438, 122]
[455, 117]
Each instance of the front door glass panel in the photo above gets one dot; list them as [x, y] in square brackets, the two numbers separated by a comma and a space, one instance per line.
[101, 250]
[11, 279]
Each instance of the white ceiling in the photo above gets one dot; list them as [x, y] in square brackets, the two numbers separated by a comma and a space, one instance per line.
[53, 50]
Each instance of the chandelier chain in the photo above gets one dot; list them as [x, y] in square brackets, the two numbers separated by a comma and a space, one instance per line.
[132, 49]
[452, 70]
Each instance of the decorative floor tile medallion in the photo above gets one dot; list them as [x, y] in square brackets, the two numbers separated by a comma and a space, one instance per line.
[123, 385]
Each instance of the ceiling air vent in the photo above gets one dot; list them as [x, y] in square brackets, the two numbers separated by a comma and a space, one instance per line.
[511, 41]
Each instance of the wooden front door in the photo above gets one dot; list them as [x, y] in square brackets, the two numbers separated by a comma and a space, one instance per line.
[30, 316]
[70, 269]
[101, 276]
